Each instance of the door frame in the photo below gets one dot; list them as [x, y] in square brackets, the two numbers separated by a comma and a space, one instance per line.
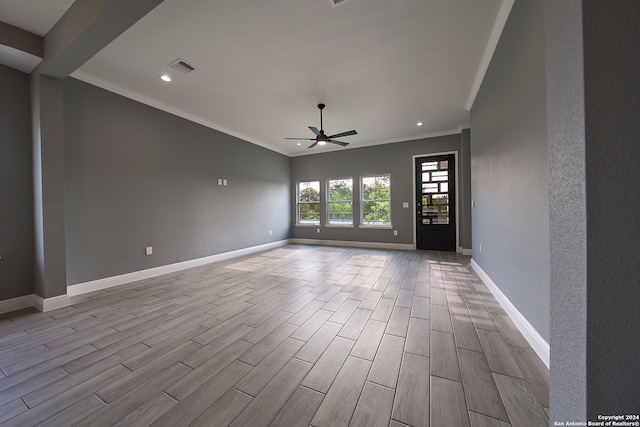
[415, 195]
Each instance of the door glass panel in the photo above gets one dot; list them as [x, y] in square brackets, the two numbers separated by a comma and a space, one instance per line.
[441, 204]
[430, 166]
[429, 188]
[439, 176]
[435, 193]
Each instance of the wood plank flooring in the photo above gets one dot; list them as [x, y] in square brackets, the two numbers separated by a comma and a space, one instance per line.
[295, 336]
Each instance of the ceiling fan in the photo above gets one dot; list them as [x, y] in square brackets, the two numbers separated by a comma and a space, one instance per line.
[321, 138]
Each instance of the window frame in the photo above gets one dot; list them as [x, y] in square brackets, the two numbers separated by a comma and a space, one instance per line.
[363, 224]
[328, 202]
[298, 203]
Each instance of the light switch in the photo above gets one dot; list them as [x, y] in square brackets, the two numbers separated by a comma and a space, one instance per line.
[405, 204]
[224, 182]
[148, 250]
[219, 181]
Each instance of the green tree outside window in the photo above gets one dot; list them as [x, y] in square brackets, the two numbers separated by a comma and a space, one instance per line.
[309, 202]
[340, 201]
[376, 200]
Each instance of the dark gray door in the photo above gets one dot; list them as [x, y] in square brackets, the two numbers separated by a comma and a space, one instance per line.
[435, 188]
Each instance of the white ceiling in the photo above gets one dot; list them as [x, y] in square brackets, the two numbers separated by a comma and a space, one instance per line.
[380, 66]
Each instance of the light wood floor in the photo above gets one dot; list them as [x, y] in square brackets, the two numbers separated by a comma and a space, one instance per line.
[296, 336]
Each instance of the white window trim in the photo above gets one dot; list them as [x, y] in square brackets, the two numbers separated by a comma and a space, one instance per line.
[361, 219]
[307, 224]
[328, 202]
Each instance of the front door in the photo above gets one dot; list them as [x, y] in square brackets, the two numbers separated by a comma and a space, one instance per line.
[435, 188]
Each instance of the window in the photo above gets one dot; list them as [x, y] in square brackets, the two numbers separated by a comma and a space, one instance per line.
[340, 203]
[309, 202]
[376, 200]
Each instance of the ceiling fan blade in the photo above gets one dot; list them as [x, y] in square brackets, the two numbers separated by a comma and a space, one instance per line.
[347, 133]
[314, 130]
[313, 145]
[303, 139]
[333, 141]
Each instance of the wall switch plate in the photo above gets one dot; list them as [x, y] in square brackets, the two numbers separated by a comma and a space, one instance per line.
[317, 230]
[148, 250]
[219, 181]
[405, 204]
[270, 233]
[473, 203]
[395, 232]
[224, 182]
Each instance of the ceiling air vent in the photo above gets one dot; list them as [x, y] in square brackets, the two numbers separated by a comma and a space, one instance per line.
[182, 66]
[335, 3]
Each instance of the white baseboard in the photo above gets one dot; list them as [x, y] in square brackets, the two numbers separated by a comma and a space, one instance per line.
[36, 301]
[532, 336]
[48, 304]
[352, 244]
[15, 304]
[108, 282]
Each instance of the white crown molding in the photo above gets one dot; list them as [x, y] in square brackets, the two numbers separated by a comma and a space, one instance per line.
[18, 59]
[155, 104]
[456, 131]
[494, 37]
[539, 345]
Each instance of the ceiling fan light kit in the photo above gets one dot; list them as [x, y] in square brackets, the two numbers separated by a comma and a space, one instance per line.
[321, 138]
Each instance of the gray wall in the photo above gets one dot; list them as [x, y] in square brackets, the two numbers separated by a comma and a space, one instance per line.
[612, 148]
[136, 177]
[16, 214]
[509, 167]
[395, 159]
[567, 210]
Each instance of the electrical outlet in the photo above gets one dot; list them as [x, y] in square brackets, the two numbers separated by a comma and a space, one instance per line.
[270, 233]
[148, 250]
[395, 232]
[317, 230]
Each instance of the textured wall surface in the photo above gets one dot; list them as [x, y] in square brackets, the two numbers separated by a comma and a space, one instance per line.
[137, 177]
[394, 159]
[565, 112]
[612, 134]
[16, 214]
[509, 167]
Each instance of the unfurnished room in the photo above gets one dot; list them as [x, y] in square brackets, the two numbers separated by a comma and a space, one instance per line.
[319, 213]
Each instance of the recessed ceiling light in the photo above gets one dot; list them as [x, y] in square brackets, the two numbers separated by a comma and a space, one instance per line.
[419, 124]
[165, 77]
[299, 143]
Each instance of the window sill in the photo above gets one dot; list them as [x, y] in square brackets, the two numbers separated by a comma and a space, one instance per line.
[339, 225]
[308, 225]
[380, 227]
